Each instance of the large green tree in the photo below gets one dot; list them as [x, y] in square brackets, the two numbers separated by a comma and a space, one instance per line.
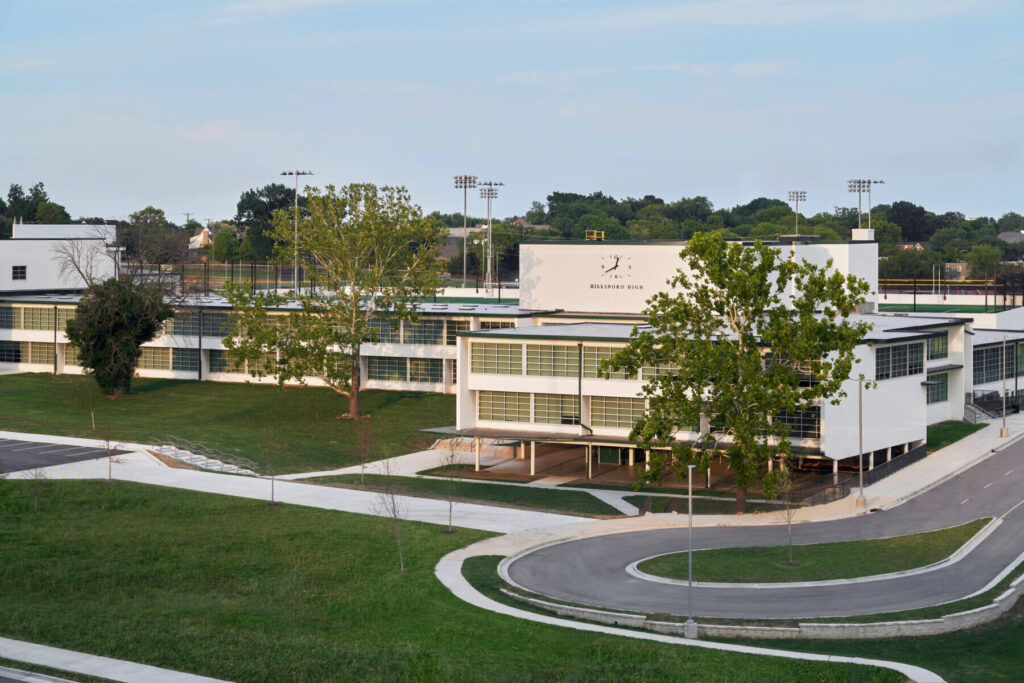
[255, 213]
[748, 336]
[374, 254]
[113, 320]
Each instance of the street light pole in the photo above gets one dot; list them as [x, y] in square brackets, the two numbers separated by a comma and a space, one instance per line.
[465, 183]
[1002, 432]
[690, 629]
[295, 261]
[858, 187]
[797, 196]
[489, 191]
[870, 183]
[862, 502]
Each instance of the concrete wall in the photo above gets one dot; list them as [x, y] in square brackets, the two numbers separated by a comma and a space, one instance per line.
[42, 268]
[818, 631]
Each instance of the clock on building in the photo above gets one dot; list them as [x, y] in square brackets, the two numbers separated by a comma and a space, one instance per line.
[616, 267]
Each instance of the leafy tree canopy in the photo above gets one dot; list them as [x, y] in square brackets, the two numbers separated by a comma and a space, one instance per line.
[749, 335]
[374, 254]
[112, 321]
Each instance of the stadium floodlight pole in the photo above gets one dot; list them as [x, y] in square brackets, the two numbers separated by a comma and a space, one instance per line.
[869, 184]
[857, 186]
[797, 196]
[489, 191]
[465, 183]
[295, 262]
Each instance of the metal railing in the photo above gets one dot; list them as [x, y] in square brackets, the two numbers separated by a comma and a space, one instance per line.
[205, 457]
[882, 471]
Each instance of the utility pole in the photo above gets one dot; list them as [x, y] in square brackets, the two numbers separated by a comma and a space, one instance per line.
[295, 260]
[465, 183]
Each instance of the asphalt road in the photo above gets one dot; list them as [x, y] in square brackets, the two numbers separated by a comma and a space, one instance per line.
[592, 571]
[16, 455]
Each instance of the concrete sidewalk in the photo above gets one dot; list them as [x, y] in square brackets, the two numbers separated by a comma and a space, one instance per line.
[94, 665]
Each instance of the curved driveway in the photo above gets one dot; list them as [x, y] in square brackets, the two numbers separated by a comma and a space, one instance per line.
[592, 570]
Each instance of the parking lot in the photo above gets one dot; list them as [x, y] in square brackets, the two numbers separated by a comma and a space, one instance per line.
[16, 455]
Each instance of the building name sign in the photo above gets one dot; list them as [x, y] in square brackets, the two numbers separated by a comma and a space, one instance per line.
[602, 285]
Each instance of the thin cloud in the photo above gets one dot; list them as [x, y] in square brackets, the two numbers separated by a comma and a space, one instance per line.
[695, 70]
[773, 12]
[253, 9]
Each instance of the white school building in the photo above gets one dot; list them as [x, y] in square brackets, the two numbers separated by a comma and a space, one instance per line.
[528, 371]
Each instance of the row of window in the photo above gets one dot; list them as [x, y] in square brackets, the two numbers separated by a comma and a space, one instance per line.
[548, 360]
[33, 317]
[990, 364]
[40, 353]
[405, 369]
[899, 360]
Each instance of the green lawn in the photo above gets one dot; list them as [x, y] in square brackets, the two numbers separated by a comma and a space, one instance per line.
[549, 500]
[236, 589]
[818, 562]
[985, 654]
[941, 434]
[942, 308]
[292, 429]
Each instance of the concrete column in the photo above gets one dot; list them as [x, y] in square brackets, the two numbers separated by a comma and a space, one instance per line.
[647, 460]
[533, 458]
[888, 454]
[771, 464]
[522, 450]
[835, 471]
[590, 466]
[476, 446]
[871, 461]
[632, 457]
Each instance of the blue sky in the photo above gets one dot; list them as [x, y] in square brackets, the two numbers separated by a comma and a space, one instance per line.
[183, 105]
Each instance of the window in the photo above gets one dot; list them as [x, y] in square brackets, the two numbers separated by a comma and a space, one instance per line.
[559, 409]
[41, 353]
[10, 351]
[36, 318]
[937, 393]
[185, 360]
[154, 358]
[63, 316]
[496, 324]
[388, 331]
[183, 325]
[455, 371]
[592, 357]
[424, 331]
[611, 411]
[265, 363]
[387, 369]
[496, 359]
[19, 272]
[899, 361]
[426, 370]
[802, 424]
[658, 370]
[938, 347]
[71, 355]
[548, 360]
[216, 324]
[988, 364]
[220, 361]
[503, 406]
[7, 317]
[454, 327]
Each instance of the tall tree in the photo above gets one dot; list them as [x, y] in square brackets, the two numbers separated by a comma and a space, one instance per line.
[374, 254]
[113, 320]
[255, 212]
[748, 338]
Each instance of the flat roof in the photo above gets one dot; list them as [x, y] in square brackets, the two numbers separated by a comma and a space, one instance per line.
[993, 337]
[218, 302]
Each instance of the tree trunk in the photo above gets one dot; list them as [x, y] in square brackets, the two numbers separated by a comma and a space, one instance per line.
[741, 500]
[398, 539]
[353, 394]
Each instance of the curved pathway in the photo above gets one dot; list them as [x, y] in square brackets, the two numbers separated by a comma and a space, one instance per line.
[592, 570]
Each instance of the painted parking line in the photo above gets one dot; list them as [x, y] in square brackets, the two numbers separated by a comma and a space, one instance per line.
[29, 448]
[964, 500]
[987, 485]
[1008, 473]
[58, 449]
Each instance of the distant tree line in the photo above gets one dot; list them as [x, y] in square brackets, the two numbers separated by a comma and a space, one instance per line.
[900, 228]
